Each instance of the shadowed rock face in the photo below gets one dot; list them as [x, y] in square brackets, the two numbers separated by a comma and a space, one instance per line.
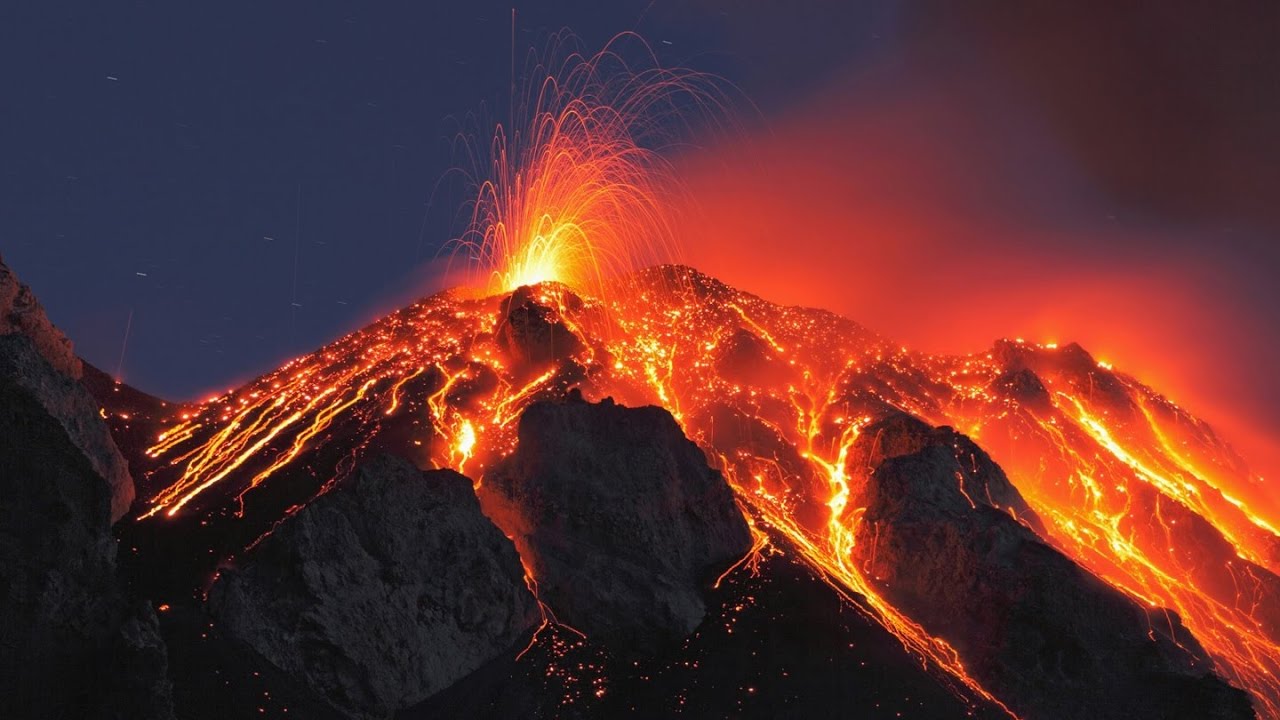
[22, 314]
[619, 518]
[380, 593]
[72, 644]
[74, 409]
[1048, 638]
[533, 333]
[1024, 387]
[130, 414]
[746, 358]
[777, 645]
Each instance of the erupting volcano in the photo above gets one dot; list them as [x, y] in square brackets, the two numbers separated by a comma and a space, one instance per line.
[1043, 534]
[1114, 476]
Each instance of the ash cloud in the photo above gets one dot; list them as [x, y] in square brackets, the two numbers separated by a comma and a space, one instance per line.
[1099, 174]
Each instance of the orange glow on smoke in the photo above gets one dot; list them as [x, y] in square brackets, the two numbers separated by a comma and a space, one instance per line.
[1129, 485]
[899, 212]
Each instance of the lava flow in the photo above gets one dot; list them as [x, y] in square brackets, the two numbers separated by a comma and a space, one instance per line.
[1125, 483]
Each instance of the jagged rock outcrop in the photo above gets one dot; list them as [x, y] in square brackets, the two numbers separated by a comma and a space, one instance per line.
[1025, 388]
[21, 314]
[746, 358]
[131, 417]
[66, 401]
[778, 644]
[381, 592]
[532, 332]
[1047, 637]
[72, 643]
[1070, 362]
[618, 517]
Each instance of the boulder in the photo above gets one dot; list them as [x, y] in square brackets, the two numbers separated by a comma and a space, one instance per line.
[618, 517]
[72, 643]
[1051, 640]
[381, 592]
[22, 316]
[532, 332]
[67, 402]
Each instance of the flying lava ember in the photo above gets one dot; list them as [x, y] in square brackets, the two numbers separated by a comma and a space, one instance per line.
[1123, 481]
[578, 190]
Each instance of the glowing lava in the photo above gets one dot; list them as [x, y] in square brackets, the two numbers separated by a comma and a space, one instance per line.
[578, 191]
[1126, 483]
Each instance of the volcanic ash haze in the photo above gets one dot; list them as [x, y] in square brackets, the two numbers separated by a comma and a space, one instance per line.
[992, 175]
[785, 402]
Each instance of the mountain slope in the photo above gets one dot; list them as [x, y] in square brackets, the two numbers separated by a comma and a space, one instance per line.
[1125, 484]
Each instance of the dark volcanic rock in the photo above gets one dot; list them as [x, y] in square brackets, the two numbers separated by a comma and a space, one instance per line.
[532, 332]
[134, 417]
[618, 517]
[979, 482]
[746, 358]
[1069, 362]
[72, 644]
[1025, 387]
[66, 401]
[380, 593]
[21, 314]
[1048, 638]
[777, 643]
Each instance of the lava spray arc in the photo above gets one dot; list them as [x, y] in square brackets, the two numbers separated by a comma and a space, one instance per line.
[578, 189]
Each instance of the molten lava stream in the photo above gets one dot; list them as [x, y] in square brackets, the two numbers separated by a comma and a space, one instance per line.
[667, 348]
[1120, 499]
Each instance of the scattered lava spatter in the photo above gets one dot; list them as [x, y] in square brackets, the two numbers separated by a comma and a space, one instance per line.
[577, 188]
[1125, 483]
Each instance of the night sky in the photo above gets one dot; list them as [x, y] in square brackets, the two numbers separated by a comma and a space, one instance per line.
[250, 180]
[196, 145]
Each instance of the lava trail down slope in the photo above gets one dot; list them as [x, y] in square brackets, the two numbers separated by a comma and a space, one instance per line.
[788, 404]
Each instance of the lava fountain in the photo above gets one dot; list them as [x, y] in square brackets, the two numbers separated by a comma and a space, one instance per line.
[577, 189]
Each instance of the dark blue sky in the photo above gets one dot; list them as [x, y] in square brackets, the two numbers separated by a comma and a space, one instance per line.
[163, 158]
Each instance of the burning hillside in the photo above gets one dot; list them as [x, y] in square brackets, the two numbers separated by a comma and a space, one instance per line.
[786, 403]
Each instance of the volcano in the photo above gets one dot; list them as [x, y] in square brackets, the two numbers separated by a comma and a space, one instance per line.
[679, 499]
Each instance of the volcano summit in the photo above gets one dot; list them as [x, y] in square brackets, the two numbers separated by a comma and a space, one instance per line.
[683, 499]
